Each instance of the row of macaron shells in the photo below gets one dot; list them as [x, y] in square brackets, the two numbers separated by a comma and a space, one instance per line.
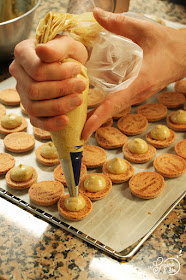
[51, 145]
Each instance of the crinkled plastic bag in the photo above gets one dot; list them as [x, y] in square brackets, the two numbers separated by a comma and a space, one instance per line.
[114, 63]
[83, 27]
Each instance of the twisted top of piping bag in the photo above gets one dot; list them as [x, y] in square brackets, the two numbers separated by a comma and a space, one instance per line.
[83, 27]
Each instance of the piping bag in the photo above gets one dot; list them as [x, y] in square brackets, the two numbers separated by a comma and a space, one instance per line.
[114, 63]
[67, 141]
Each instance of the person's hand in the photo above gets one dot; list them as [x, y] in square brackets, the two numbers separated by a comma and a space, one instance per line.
[47, 88]
[164, 62]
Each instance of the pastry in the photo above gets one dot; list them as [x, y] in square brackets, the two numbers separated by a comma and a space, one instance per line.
[153, 111]
[74, 215]
[122, 113]
[138, 151]
[118, 170]
[59, 175]
[93, 156]
[19, 142]
[95, 186]
[180, 86]
[12, 123]
[21, 177]
[169, 165]
[177, 120]
[10, 97]
[6, 162]
[110, 137]
[160, 136]
[180, 149]
[47, 154]
[46, 193]
[41, 133]
[146, 184]
[171, 99]
[2, 110]
[95, 97]
[132, 124]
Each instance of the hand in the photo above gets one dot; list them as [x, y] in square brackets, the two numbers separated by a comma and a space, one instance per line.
[164, 62]
[47, 88]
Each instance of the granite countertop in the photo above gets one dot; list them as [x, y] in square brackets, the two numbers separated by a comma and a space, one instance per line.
[33, 249]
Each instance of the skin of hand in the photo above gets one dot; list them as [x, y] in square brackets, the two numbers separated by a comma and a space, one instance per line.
[48, 88]
[164, 61]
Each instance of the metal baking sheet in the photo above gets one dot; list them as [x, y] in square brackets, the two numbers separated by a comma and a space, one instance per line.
[119, 223]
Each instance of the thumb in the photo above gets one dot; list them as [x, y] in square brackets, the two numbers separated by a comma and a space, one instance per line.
[61, 47]
[120, 24]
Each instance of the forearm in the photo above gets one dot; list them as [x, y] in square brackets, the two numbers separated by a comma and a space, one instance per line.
[178, 54]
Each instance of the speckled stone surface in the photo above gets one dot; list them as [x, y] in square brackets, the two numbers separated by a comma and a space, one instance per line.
[32, 249]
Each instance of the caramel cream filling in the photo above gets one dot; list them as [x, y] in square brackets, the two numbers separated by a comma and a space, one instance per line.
[75, 203]
[21, 173]
[179, 117]
[138, 146]
[11, 121]
[69, 139]
[117, 166]
[48, 151]
[160, 132]
[94, 183]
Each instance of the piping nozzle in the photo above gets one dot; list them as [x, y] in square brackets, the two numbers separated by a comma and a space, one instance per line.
[72, 168]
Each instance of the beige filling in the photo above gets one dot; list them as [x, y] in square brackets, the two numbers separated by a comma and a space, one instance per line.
[74, 204]
[94, 183]
[21, 173]
[11, 121]
[69, 139]
[160, 132]
[179, 117]
[48, 151]
[138, 146]
[116, 166]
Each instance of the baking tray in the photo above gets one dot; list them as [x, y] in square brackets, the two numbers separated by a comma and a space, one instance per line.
[118, 224]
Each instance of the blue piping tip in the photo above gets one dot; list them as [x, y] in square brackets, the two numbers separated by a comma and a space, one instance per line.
[72, 168]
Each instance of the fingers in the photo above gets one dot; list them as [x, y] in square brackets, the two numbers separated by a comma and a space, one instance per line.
[48, 88]
[41, 63]
[120, 24]
[62, 47]
[50, 124]
[112, 105]
[99, 116]
[26, 56]
[34, 90]
[51, 107]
